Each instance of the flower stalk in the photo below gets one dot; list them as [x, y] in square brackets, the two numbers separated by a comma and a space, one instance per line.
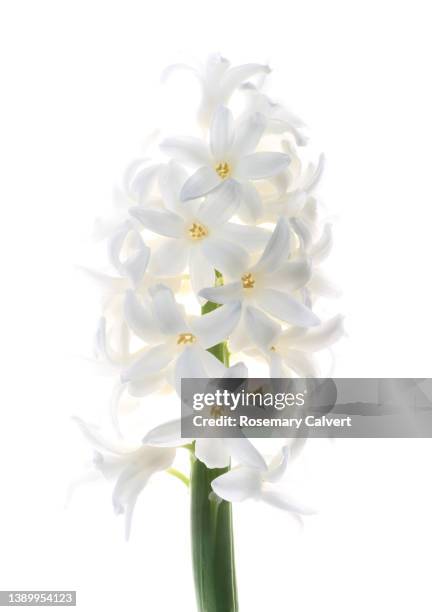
[212, 543]
[212, 527]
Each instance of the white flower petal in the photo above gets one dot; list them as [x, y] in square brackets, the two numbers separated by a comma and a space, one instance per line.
[121, 401]
[250, 238]
[200, 184]
[219, 206]
[285, 502]
[276, 365]
[320, 337]
[281, 182]
[104, 348]
[310, 212]
[262, 329]
[251, 207]
[201, 272]
[150, 362]
[168, 313]
[135, 263]
[291, 276]
[240, 338]
[189, 365]
[225, 256]
[120, 338]
[284, 307]
[321, 285]
[303, 232]
[217, 325]
[234, 77]
[136, 476]
[214, 69]
[169, 258]
[221, 133]
[232, 292]
[135, 266]
[167, 434]
[297, 444]
[172, 177]
[238, 484]
[161, 222]
[244, 452]
[130, 503]
[116, 244]
[97, 440]
[100, 344]
[280, 126]
[261, 165]
[238, 370]
[212, 452]
[302, 363]
[291, 335]
[248, 133]
[278, 465]
[210, 78]
[150, 384]
[107, 285]
[129, 483]
[314, 175]
[140, 318]
[191, 151]
[290, 205]
[140, 186]
[157, 459]
[212, 365]
[277, 249]
[322, 248]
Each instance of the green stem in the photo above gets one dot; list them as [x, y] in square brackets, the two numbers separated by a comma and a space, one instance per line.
[212, 543]
[212, 528]
[177, 474]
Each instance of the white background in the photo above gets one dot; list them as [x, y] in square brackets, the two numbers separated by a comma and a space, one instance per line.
[79, 88]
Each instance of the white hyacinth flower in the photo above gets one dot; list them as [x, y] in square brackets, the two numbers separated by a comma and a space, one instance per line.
[198, 237]
[280, 119]
[295, 187]
[291, 352]
[230, 155]
[268, 284]
[130, 467]
[245, 483]
[178, 341]
[218, 81]
[128, 253]
[214, 452]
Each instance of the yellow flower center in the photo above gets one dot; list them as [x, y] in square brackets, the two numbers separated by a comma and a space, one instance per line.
[216, 411]
[197, 231]
[248, 281]
[223, 169]
[273, 349]
[186, 338]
